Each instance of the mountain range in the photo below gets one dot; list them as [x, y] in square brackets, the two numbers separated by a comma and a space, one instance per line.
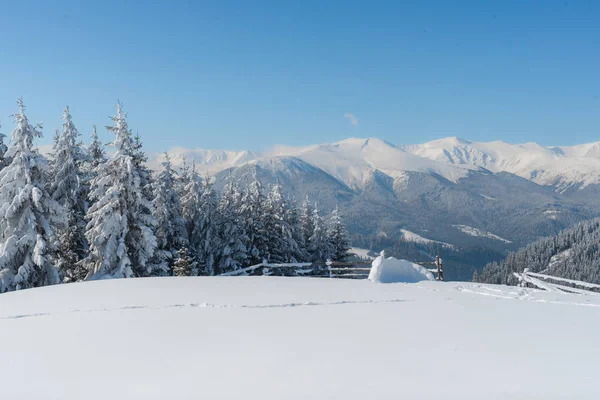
[450, 193]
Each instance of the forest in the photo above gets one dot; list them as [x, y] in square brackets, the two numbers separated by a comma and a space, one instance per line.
[85, 213]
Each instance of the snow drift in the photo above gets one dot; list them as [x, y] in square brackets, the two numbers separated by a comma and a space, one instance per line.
[392, 270]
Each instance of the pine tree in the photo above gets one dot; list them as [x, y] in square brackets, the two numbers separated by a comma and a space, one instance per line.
[69, 187]
[120, 227]
[318, 243]
[279, 237]
[338, 237]
[252, 216]
[170, 228]
[306, 223]
[96, 152]
[292, 218]
[185, 265]
[28, 215]
[208, 248]
[191, 192]
[233, 236]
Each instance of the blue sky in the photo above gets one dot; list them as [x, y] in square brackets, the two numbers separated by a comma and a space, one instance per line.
[251, 74]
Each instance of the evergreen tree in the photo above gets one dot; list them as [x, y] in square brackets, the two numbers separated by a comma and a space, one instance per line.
[338, 237]
[252, 215]
[292, 218]
[69, 187]
[209, 244]
[233, 236]
[191, 194]
[120, 228]
[185, 265]
[306, 223]
[318, 243]
[279, 237]
[170, 228]
[28, 214]
[96, 152]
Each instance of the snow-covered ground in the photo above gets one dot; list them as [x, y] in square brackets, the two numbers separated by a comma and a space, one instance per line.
[296, 338]
[469, 230]
[416, 238]
[364, 254]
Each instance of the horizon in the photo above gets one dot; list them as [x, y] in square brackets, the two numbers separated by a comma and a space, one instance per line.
[240, 76]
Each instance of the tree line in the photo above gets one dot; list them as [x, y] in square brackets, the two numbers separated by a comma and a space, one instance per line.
[573, 253]
[81, 214]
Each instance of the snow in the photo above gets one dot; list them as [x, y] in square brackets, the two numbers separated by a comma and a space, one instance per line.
[354, 161]
[392, 270]
[469, 230]
[363, 254]
[296, 338]
[413, 237]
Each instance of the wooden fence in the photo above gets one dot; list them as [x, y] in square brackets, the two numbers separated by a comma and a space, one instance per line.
[548, 283]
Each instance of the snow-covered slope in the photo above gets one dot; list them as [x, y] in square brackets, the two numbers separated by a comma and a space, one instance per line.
[560, 167]
[469, 230]
[354, 161]
[296, 338]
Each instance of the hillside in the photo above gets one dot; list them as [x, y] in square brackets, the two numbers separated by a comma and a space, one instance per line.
[574, 254]
[282, 338]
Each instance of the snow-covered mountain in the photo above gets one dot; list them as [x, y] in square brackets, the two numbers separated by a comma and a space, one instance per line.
[353, 161]
[560, 167]
[494, 196]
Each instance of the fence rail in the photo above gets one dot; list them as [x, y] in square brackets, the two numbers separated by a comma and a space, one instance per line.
[331, 269]
[541, 281]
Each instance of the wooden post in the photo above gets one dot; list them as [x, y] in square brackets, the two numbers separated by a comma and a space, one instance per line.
[328, 263]
[440, 269]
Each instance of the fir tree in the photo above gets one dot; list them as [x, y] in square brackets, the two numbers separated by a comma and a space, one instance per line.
[318, 243]
[279, 236]
[232, 233]
[170, 228]
[191, 193]
[28, 214]
[338, 237]
[252, 216]
[207, 250]
[120, 227]
[185, 265]
[69, 187]
[96, 152]
[306, 222]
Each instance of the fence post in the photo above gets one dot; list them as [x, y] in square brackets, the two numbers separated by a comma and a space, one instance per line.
[329, 263]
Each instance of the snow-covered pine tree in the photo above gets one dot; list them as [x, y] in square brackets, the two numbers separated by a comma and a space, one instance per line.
[338, 237]
[306, 223]
[252, 216]
[170, 228]
[318, 243]
[28, 214]
[209, 246]
[144, 215]
[184, 265]
[96, 153]
[231, 230]
[69, 187]
[191, 192]
[279, 237]
[120, 228]
[292, 218]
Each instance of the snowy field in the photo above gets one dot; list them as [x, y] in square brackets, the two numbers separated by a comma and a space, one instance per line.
[296, 338]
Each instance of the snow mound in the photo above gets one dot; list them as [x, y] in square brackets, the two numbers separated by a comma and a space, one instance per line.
[392, 270]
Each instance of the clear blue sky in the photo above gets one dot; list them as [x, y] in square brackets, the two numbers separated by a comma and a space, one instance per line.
[250, 74]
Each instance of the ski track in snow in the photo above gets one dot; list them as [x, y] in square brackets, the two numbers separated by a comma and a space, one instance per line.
[210, 305]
